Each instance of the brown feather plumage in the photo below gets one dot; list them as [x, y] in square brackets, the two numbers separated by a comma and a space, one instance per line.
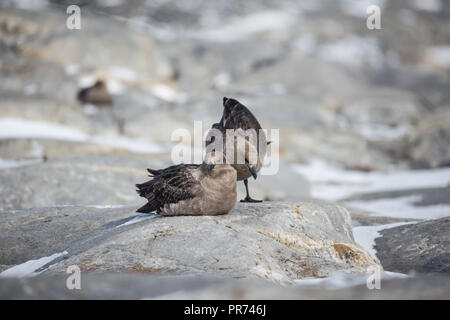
[237, 116]
[169, 185]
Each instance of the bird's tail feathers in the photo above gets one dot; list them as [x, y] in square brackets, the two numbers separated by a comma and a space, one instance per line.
[147, 208]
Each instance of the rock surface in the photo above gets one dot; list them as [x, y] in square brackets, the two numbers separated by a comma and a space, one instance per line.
[279, 242]
[421, 247]
[76, 181]
[138, 286]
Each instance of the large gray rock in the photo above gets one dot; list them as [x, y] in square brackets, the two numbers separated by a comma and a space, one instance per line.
[34, 233]
[74, 181]
[275, 241]
[422, 247]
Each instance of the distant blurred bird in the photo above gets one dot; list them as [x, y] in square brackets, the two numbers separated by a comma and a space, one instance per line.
[97, 94]
[237, 116]
[191, 189]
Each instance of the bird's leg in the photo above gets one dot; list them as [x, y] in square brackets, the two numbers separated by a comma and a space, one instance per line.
[248, 198]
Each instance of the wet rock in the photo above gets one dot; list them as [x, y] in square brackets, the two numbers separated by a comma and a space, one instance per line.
[421, 247]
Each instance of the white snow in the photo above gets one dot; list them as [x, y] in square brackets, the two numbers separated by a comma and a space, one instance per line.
[427, 5]
[334, 183]
[222, 80]
[306, 44]
[139, 218]
[439, 55]
[6, 163]
[122, 73]
[380, 132]
[28, 268]
[242, 27]
[90, 109]
[365, 236]
[115, 86]
[85, 81]
[72, 69]
[17, 128]
[402, 207]
[353, 51]
[339, 280]
[27, 4]
[358, 8]
[105, 206]
[30, 89]
[110, 3]
[166, 93]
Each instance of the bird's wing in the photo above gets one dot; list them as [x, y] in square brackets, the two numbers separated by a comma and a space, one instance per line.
[237, 116]
[170, 185]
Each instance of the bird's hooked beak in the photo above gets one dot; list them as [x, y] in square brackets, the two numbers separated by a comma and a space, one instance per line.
[252, 171]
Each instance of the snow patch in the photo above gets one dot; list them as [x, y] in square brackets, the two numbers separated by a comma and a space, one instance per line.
[358, 8]
[333, 183]
[439, 55]
[110, 3]
[90, 109]
[240, 28]
[381, 132]
[340, 280]
[139, 218]
[353, 51]
[402, 207]
[365, 235]
[105, 206]
[28, 268]
[427, 5]
[17, 128]
[7, 164]
[122, 73]
[167, 93]
[72, 69]
[306, 44]
[30, 89]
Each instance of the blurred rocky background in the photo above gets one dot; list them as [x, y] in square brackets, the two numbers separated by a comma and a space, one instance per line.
[364, 115]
